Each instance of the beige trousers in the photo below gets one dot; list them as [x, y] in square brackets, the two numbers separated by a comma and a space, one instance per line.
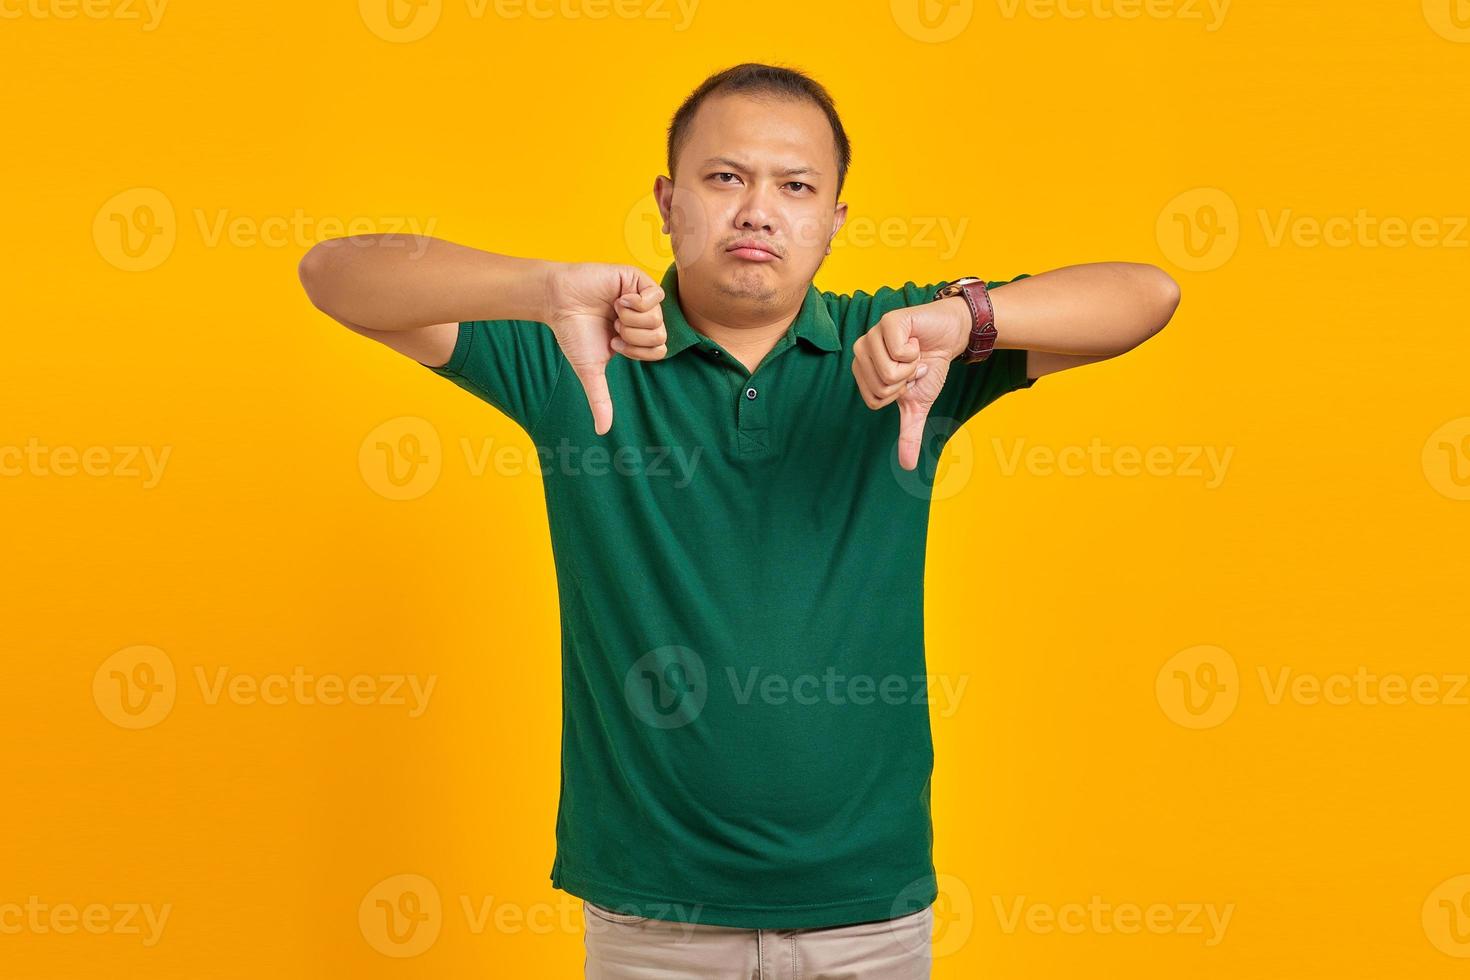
[631, 947]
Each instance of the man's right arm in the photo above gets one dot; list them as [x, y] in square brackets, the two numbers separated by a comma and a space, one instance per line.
[423, 296]
[410, 292]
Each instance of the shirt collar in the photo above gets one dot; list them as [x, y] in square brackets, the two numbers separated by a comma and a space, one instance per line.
[812, 324]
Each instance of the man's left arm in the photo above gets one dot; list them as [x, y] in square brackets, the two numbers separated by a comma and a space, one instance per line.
[1078, 314]
[1060, 319]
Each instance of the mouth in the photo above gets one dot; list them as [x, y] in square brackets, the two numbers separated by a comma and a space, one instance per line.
[752, 251]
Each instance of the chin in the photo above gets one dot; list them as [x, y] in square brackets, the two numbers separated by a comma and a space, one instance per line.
[750, 283]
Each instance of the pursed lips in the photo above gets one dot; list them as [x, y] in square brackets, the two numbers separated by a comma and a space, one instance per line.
[755, 251]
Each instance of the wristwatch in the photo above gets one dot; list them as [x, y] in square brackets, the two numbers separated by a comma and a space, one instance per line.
[982, 316]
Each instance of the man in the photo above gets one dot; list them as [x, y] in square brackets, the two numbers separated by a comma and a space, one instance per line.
[745, 748]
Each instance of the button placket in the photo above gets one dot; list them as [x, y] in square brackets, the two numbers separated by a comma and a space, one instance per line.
[752, 420]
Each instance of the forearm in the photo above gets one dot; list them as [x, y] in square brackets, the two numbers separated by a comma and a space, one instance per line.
[1102, 309]
[403, 282]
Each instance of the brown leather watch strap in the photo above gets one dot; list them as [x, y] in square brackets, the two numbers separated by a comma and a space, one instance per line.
[982, 317]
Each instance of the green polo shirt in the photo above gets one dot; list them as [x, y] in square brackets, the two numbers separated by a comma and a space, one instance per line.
[740, 567]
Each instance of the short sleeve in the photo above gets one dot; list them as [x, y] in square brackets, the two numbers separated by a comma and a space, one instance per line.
[970, 387]
[512, 364]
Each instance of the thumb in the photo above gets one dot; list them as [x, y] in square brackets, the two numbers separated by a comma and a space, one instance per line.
[599, 399]
[911, 419]
[635, 280]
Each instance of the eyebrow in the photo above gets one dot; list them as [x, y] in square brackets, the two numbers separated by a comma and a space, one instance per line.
[788, 172]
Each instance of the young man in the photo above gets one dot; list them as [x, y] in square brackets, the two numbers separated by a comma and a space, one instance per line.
[739, 539]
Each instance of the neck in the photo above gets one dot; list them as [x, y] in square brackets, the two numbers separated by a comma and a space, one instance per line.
[747, 333]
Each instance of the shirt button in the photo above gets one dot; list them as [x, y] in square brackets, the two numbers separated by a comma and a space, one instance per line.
[750, 393]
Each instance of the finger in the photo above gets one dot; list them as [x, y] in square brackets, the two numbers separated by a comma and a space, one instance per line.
[599, 399]
[862, 372]
[649, 337]
[645, 319]
[654, 353]
[911, 418]
[641, 281]
[642, 301]
[899, 344]
[874, 392]
[891, 375]
[904, 386]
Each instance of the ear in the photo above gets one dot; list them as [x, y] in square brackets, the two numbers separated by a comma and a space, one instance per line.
[839, 218]
[663, 193]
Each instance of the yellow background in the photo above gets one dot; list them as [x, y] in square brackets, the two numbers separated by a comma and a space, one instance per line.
[1074, 767]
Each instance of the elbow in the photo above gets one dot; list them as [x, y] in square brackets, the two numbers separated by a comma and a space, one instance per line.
[1165, 295]
[314, 271]
[1169, 293]
[1151, 300]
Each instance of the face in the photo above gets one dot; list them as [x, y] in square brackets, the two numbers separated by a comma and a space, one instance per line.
[752, 210]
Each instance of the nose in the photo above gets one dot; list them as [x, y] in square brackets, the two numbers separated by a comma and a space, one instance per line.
[755, 214]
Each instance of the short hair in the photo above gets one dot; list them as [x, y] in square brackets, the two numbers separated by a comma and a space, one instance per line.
[758, 79]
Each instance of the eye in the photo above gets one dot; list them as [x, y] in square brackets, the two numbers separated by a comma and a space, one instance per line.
[717, 177]
[798, 185]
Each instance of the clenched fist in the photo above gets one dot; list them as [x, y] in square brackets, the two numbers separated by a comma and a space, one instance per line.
[596, 311]
[906, 357]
